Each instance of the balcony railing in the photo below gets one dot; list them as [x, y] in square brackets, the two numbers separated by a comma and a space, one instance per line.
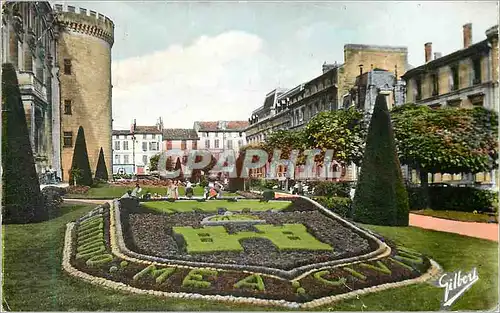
[28, 81]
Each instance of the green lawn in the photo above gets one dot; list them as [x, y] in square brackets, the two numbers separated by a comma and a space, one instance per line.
[34, 281]
[112, 192]
[214, 205]
[458, 216]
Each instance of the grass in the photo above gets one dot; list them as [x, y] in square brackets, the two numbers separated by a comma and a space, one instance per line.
[458, 216]
[112, 192]
[34, 281]
[214, 205]
[216, 238]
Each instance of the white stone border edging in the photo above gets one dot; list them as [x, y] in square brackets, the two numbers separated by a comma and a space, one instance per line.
[432, 272]
[294, 274]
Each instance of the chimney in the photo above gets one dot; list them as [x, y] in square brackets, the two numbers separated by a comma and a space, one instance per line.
[428, 52]
[437, 55]
[467, 35]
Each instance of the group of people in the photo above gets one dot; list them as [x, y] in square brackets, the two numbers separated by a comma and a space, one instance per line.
[213, 190]
[172, 190]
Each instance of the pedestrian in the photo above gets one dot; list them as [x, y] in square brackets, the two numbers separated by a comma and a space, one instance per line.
[137, 190]
[176, 189]
[189, 190]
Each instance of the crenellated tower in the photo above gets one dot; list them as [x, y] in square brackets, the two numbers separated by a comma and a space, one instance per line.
[84, 58]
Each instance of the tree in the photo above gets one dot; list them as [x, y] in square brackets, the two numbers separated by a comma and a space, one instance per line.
[343, 131]
[22, 200]
[153, 162]
[286, 141]
[446, 140]
[381, 197]
[101, 172]
[81, 162]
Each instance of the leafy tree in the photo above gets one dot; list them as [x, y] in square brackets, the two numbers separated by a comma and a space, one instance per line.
[343, 131]
[381, 197]
[286, 141]
[446, 140]
[101, 172]
[81, 161]
[22, 200]
[153, 162]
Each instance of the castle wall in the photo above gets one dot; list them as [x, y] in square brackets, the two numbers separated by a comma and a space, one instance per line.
[85, 44]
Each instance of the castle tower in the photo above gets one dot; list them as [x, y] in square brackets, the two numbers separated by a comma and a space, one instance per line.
[84, 57]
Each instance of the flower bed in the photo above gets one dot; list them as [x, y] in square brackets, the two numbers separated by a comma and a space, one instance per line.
[95, 252]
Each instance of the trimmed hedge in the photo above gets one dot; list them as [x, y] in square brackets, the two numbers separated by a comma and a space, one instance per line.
[268, 195]
[22, 201]
[331, 189]
[464, 199]
[381, 198]
[338, 205]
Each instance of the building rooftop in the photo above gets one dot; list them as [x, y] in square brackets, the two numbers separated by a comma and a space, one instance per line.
[180, 134]
[215, 126]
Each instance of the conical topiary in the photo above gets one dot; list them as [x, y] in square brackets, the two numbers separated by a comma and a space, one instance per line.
[381, 197]
[22, 200]
[178, 166]
[80, 167]
[101, 172]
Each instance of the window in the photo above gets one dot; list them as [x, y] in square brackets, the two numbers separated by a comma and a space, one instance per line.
[67, 66]
[194, 144]
[68, 139]
[240, 143]
[207, 143]
[117, 159]
[117, 145]
[125, 145]
[435, 84]
[145, 159]
[229, 144]
[144, 146]
[183, 145]
[454, 77]
[67, 107]
[169, 144]
[216, 144]
[418, 90]
[125, 159]
[144, 136]
[476, 64]
[153, 146]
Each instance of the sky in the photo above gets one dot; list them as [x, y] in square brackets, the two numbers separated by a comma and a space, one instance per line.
[209, 61]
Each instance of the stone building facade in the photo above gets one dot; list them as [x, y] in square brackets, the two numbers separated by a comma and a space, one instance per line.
[294, 108]
[465, 78]
[63, 59]
[134, 147]
[369, 84]
[84, 50]
[220, 136]
[29, 42]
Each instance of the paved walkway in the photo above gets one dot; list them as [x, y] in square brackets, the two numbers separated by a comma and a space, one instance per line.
[472, 229]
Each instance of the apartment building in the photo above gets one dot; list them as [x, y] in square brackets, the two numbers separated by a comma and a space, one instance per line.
[219, 136]
[132, 149]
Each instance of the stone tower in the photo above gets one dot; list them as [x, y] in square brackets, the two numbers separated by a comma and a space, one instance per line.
[84, 57]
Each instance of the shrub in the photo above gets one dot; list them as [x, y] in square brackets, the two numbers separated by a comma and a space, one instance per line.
[269, 183]
[380, 197]
[22, 201]
[77, 190]
[268, 195]
[203, 181]
[465, 199]
[80, 162]
[338, 205]
[101, 172]
[332, 189]
[52, 198]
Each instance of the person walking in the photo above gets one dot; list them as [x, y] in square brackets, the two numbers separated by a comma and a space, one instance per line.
[189, 190]
[137, 190]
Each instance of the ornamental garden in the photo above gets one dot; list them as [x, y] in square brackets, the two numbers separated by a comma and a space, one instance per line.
[288, 252]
